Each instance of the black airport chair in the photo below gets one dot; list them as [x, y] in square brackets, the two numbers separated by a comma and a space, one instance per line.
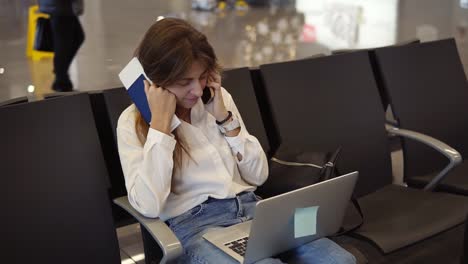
[428, 92]
[333, 101]
[56, 205]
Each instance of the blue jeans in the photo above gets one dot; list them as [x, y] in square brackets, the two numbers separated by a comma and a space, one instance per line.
[191, 225]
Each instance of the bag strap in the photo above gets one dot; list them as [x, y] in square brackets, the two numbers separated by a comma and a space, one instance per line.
[328, 168]
[343, 231]
[330, 164]
[297, 164]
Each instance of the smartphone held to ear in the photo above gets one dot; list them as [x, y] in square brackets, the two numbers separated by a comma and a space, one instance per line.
[208, 95]
[132, 77]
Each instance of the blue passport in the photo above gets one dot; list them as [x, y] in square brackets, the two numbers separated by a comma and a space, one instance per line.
[132, 77]
[137, 93]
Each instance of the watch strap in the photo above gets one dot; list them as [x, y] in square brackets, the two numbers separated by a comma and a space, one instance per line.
[232, 125]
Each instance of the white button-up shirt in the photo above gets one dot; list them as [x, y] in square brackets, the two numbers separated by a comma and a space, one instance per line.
[155, 189]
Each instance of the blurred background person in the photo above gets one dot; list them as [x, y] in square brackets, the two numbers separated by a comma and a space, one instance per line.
[68, 36]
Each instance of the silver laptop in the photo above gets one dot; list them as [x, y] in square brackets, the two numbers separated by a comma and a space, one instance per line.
[273, 229]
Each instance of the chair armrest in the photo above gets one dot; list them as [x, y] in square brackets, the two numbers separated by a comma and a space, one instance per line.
[392, 123]
[169, 243]
[454, 156]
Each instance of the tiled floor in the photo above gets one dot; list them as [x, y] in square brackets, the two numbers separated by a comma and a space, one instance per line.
[282, 30]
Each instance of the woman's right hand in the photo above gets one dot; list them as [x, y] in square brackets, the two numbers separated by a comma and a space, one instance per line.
[162, 104]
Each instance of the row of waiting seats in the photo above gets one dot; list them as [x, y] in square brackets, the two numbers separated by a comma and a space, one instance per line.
[61, 167]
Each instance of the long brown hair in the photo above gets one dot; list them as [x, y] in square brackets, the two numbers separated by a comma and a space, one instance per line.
[167, 51]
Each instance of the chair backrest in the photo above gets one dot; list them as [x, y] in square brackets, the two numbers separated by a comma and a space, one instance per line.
[60, 94]
[18, 100]
[375, 66]
[240, 85]
[107, 106]
[56, 204]
[322, 103]
[408, 42]
[112, 103]
[117, 100]
[464, 257]
[428, 92]
[265, 109]
[53, 95]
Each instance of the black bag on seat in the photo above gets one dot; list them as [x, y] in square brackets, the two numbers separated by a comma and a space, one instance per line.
[291, 169]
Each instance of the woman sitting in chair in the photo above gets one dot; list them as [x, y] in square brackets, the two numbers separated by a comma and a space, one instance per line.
[201, 174]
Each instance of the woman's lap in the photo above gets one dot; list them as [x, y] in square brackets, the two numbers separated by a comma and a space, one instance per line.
[200, 251]
[322, 250]
[190, 227]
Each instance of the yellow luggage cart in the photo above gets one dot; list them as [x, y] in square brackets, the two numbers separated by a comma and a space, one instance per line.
[35, 55]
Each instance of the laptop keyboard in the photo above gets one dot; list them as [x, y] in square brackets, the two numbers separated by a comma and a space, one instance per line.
[239, 246]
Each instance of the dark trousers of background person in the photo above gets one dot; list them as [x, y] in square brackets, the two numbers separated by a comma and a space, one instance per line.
[68, 36]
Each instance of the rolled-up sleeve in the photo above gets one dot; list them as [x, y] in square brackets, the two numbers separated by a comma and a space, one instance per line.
[147, 169]
[254, 166]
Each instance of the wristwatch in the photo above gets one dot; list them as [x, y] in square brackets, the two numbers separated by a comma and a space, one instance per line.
[229, 126]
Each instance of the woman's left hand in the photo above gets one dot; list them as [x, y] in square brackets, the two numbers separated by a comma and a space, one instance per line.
[216, 107]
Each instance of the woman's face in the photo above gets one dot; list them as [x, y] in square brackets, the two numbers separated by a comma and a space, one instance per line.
[189, 88]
